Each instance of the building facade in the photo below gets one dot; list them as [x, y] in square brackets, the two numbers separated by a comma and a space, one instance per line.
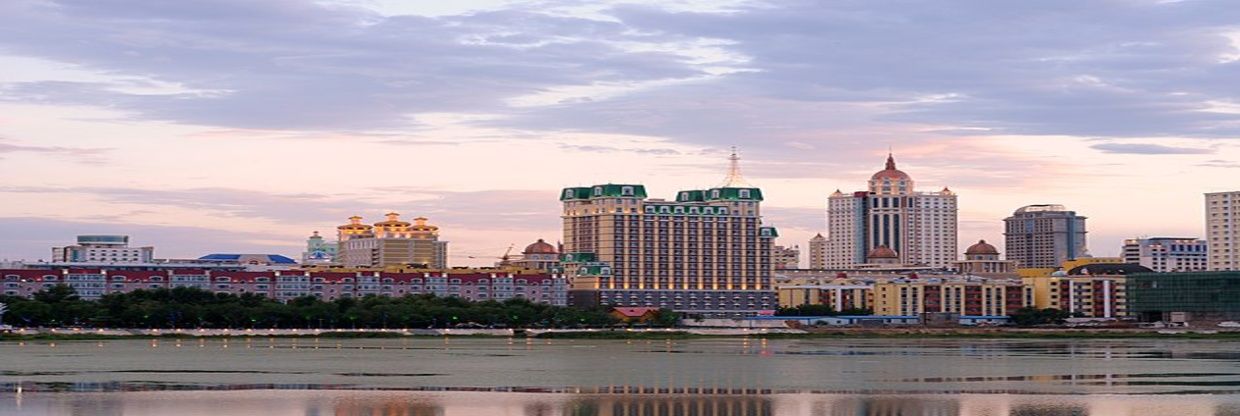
[540, 255]
[982, 259]
[706, 252]
[786, 257]
[1221, 232]
[1044, 236]
[103, 249]
[963, 296]
[474, 285]
[818, 252]
[1199, 296]
[1163, 254]
[391, 242]
[921, 227]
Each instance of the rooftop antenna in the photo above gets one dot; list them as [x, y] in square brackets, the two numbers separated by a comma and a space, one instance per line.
[734, 179]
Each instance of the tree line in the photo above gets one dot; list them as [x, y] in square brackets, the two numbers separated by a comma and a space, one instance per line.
[60, 306]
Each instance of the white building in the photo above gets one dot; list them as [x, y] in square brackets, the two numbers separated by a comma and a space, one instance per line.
[1221, 209]
[1164, 254]
[919, 226]
[103, 249]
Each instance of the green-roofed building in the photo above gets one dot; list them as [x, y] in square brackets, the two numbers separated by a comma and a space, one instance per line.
[704, 252]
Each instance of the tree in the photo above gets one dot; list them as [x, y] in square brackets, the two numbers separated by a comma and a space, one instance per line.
[1034, 316]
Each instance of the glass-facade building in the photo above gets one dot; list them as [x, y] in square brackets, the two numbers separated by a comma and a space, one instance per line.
[1201, 295]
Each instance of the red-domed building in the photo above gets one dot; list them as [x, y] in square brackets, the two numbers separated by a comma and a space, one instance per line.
[919, 226]
[982, 259]
[539, 255]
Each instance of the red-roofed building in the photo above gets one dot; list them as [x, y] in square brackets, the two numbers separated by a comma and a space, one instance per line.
[290, 284]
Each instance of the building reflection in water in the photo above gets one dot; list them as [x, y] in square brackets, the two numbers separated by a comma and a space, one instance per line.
[671, 406]
[488, 403]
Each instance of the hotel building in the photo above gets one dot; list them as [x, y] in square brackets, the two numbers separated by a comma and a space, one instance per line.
[1221, 232]
[391, 243]
[103, 249]
[1044, 236]
[706, 252]
[1163, 254]
[920, 227]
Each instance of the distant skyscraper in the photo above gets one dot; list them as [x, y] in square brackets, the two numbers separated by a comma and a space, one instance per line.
[1162, 254]
[1221, 231]
[706, 252]
[391, 243]
[818, 252]
[1044, 236]
[920, 227]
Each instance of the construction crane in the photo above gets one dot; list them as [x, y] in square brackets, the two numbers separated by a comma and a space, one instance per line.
[504, 260]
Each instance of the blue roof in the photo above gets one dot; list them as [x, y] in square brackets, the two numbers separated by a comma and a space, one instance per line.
[273, 258]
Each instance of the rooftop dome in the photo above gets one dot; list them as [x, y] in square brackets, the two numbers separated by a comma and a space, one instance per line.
[890, 172]
[539, 247]
[882, 252]
[982, 247]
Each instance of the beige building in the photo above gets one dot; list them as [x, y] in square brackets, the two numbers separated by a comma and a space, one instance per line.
[786, 257]
[982, 259]
[964, 296]
[706, 252]
[818, 252]
[539, 255]
[920, 227]
[391, 243]
[1221, 231]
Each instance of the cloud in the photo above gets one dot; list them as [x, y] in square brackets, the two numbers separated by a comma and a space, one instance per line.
[33, 238]
[1150, 149]
[79, 154]
[1219, 163]
[610, 149]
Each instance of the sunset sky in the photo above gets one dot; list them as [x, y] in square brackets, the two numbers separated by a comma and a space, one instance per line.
[242, 126]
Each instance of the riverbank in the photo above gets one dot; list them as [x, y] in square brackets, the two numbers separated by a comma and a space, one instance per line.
[628, 333]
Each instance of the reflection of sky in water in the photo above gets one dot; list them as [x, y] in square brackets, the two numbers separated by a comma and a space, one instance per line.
[591, 377]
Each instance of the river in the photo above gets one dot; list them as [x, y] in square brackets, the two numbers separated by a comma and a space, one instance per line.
[698, 377]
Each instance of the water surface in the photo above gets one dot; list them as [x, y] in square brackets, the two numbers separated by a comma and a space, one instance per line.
[473, 376]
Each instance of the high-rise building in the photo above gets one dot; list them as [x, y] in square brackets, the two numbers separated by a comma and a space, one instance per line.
[706, 252]
[1044, 236]
[1164, 254]
[391, 243]
[818, 252]
[785, 258]
[319, 251]
[920, 227]
[1221, 232]
[109, 249]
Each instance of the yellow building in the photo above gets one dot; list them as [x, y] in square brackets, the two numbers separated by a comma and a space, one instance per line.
[391, 243]
[839, 296]
[1092, 289]
[970, 297]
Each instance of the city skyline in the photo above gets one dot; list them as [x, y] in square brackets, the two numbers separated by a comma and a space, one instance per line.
[286, 118]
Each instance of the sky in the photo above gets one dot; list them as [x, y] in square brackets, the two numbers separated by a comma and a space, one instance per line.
[243, 126]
